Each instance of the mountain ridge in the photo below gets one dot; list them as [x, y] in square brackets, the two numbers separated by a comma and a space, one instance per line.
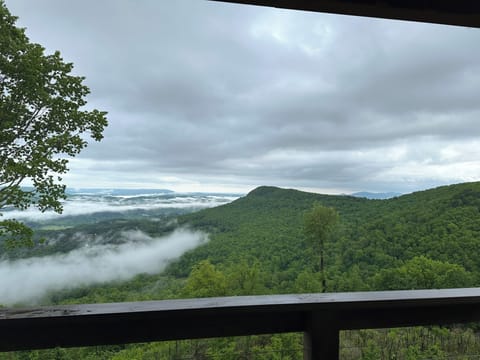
[442, 223]
[376, 195]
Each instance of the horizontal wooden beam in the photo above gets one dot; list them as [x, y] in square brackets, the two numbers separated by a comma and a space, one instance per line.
[118, 323]
[449, 12]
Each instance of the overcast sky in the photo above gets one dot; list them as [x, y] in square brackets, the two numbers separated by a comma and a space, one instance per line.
[209, 96]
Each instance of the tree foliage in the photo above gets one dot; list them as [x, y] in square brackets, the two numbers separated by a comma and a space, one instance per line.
[42, 123]
[319, 222]
[423, 273]
[428, 239]
[205, 281]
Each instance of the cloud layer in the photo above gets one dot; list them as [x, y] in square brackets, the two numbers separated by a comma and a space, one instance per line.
[206, 96]
[28, 280]
[97, 203]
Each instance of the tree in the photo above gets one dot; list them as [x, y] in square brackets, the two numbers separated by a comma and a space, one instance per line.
[307, 282]
[423, 273]
[319, 223]
[243, 278]
[205, 281]
[42, 123]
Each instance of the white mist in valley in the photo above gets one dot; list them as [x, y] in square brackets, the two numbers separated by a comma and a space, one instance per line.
[28, 280]
[89, 204]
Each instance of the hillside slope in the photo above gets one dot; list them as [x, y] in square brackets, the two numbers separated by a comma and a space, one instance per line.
[426, 239]
[266, 226]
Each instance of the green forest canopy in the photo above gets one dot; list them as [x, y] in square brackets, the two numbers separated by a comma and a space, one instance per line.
[428, 239]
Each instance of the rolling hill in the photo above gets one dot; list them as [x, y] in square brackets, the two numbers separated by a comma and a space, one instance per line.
[426, 239]
[441, 224]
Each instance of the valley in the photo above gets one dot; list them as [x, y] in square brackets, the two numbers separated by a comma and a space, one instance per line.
[255, 245]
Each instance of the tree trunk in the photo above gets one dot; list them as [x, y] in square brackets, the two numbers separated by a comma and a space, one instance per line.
[322, 268]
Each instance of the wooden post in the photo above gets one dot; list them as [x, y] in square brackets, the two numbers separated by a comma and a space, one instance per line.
[321, 337]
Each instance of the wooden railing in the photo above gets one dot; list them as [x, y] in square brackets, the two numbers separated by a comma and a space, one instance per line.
[319, 316]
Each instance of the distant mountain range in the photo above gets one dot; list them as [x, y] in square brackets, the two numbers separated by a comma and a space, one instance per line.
[134, 192]
[374, 195]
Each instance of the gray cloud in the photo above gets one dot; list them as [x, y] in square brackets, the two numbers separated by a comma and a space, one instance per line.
[209, 94]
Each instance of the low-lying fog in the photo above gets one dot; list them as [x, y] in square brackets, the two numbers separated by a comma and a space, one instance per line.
[26, 281]
[83, 204]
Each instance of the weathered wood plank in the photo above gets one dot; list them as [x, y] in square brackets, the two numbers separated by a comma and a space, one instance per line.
[117, 323]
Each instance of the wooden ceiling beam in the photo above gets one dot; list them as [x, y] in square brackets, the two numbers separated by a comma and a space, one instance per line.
[447, 12]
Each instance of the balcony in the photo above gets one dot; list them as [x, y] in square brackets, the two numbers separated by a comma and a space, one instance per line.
[319, 316]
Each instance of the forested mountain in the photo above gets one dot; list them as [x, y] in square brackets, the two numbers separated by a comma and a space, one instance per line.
[437, 228]
[427, 239]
